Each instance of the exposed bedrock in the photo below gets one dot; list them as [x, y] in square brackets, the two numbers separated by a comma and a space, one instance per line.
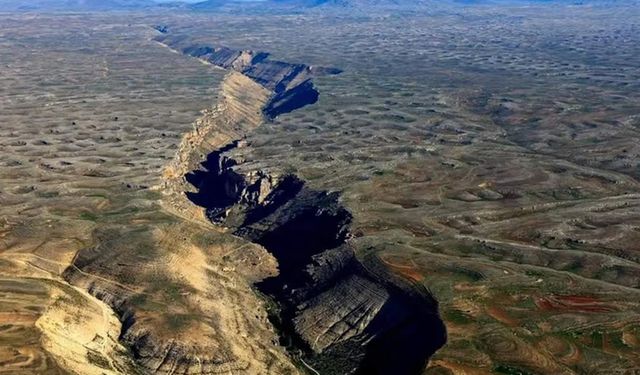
[292, 99]
[346, 316]
[142, 331]
[290, 84]
[338, 313]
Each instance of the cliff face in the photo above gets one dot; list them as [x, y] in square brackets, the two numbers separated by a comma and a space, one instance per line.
[183, 296]
[237, 112]
[290, 84]
[185, 302]
[182, 287]
[345, 317]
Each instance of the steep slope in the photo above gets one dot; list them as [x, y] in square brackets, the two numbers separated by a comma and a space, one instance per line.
[179, 286]
[346, 317]
[342, 314]
[290, 85]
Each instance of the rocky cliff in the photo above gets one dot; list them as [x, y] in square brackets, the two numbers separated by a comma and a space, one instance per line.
[182, 286]
[186, 305]
[345, 316]
[290, 84]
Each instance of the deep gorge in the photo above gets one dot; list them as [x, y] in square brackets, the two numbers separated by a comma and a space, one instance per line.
[343, 317]
[339, 314]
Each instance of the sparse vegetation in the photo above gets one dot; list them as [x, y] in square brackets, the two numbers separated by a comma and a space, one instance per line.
[436, 117]
[457, 317]
[177, 322]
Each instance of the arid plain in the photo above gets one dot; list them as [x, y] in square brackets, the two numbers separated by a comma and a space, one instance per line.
[488, 155]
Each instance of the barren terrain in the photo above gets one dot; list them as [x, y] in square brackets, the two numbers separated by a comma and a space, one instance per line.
[484, 157]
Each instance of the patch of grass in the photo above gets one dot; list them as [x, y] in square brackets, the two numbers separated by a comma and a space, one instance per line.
[597, 339]
[527, 303]
[469, 275]
[89, 216]
[47, 194]
[179, 321]
[104, 196]
[533, 273]
[138, 299]
[470, 248]
[150, 195]
[146, 250]
[617, 342]
[5, 264]
[169, 291]
[573, 267]
[457, 317]
[58, 212]
[145, 302]
[124, 211]
[173, 291]
[71, 297]
[205, 239]
[570, 335]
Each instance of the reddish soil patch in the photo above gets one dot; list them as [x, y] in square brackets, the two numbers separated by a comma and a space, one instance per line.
[572, 303]
[411, 272]
[17, 318]
[502, 316]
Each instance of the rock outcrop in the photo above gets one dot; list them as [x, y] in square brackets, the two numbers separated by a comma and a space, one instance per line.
[290, 84]
[345, 317]
[186, 304]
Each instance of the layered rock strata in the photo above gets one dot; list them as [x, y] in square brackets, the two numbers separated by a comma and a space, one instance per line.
[290, 84]
[345, 315]
[334, 312]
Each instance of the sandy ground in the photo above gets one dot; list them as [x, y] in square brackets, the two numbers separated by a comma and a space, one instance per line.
[500, 172]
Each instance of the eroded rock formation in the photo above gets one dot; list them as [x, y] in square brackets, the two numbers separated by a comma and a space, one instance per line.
[346, 317]
[290, 84]
[186, 304]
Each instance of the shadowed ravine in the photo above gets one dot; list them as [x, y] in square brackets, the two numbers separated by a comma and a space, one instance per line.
[337, 313]
[345, 317]
[487, 152]
[290, 83]
[187, 310]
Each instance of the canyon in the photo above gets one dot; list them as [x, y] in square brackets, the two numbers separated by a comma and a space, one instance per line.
[328, 304]
[339, 314]
[459, 192]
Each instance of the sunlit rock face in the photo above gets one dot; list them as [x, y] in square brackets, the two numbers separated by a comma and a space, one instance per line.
[345, 317]
[290, 84]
